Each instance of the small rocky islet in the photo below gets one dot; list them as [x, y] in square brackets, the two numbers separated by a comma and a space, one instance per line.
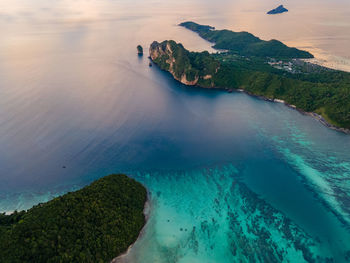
[278, 10]
[139, 49]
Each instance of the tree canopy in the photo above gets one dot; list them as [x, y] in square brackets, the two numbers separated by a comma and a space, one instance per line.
[94, 224]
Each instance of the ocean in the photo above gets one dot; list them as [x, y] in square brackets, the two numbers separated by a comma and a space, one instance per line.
[231, 177]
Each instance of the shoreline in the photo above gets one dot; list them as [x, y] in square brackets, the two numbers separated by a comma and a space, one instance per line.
[334, 65]
[314, 115]
[147, 213]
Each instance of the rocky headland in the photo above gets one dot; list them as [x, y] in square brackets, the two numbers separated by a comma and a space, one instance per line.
[322, 94]
[185, 66]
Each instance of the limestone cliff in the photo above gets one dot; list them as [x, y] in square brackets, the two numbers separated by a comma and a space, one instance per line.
[186, 67]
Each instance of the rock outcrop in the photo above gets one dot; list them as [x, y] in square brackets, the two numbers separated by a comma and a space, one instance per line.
[185, 66]
[139, 50]
[280, 9]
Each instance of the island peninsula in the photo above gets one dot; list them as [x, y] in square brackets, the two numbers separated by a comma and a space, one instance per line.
[268, 69]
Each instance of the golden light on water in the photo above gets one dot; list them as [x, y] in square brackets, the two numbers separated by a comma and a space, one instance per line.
[29, 27]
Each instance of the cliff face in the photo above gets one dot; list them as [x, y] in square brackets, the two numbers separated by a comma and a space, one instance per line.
[185, 66]
[172, 57]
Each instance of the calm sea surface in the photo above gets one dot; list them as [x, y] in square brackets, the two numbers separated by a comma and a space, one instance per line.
[230, 177]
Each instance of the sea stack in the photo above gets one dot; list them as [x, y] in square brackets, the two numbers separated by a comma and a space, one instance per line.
[139, 50]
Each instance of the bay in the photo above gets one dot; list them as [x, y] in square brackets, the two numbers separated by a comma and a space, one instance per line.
[77, 103]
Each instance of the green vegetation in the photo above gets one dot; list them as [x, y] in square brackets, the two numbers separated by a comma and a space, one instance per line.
[309, 87]
[173, 57]
[326, 92]
[245, 44]
[94, 224]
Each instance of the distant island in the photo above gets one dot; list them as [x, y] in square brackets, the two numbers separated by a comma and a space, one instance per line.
[244, 43]
[94, 224]
[270, 70]
[279, 10]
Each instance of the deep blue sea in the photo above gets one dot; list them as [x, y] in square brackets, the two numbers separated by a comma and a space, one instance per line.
[231, 178]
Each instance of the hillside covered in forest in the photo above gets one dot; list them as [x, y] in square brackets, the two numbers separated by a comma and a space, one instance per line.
[94, 224]
[245, 43]
[300, 84]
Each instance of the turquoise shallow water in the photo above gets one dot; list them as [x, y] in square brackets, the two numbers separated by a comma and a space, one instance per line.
[214, 214]
[210, 216]
[230, 177]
